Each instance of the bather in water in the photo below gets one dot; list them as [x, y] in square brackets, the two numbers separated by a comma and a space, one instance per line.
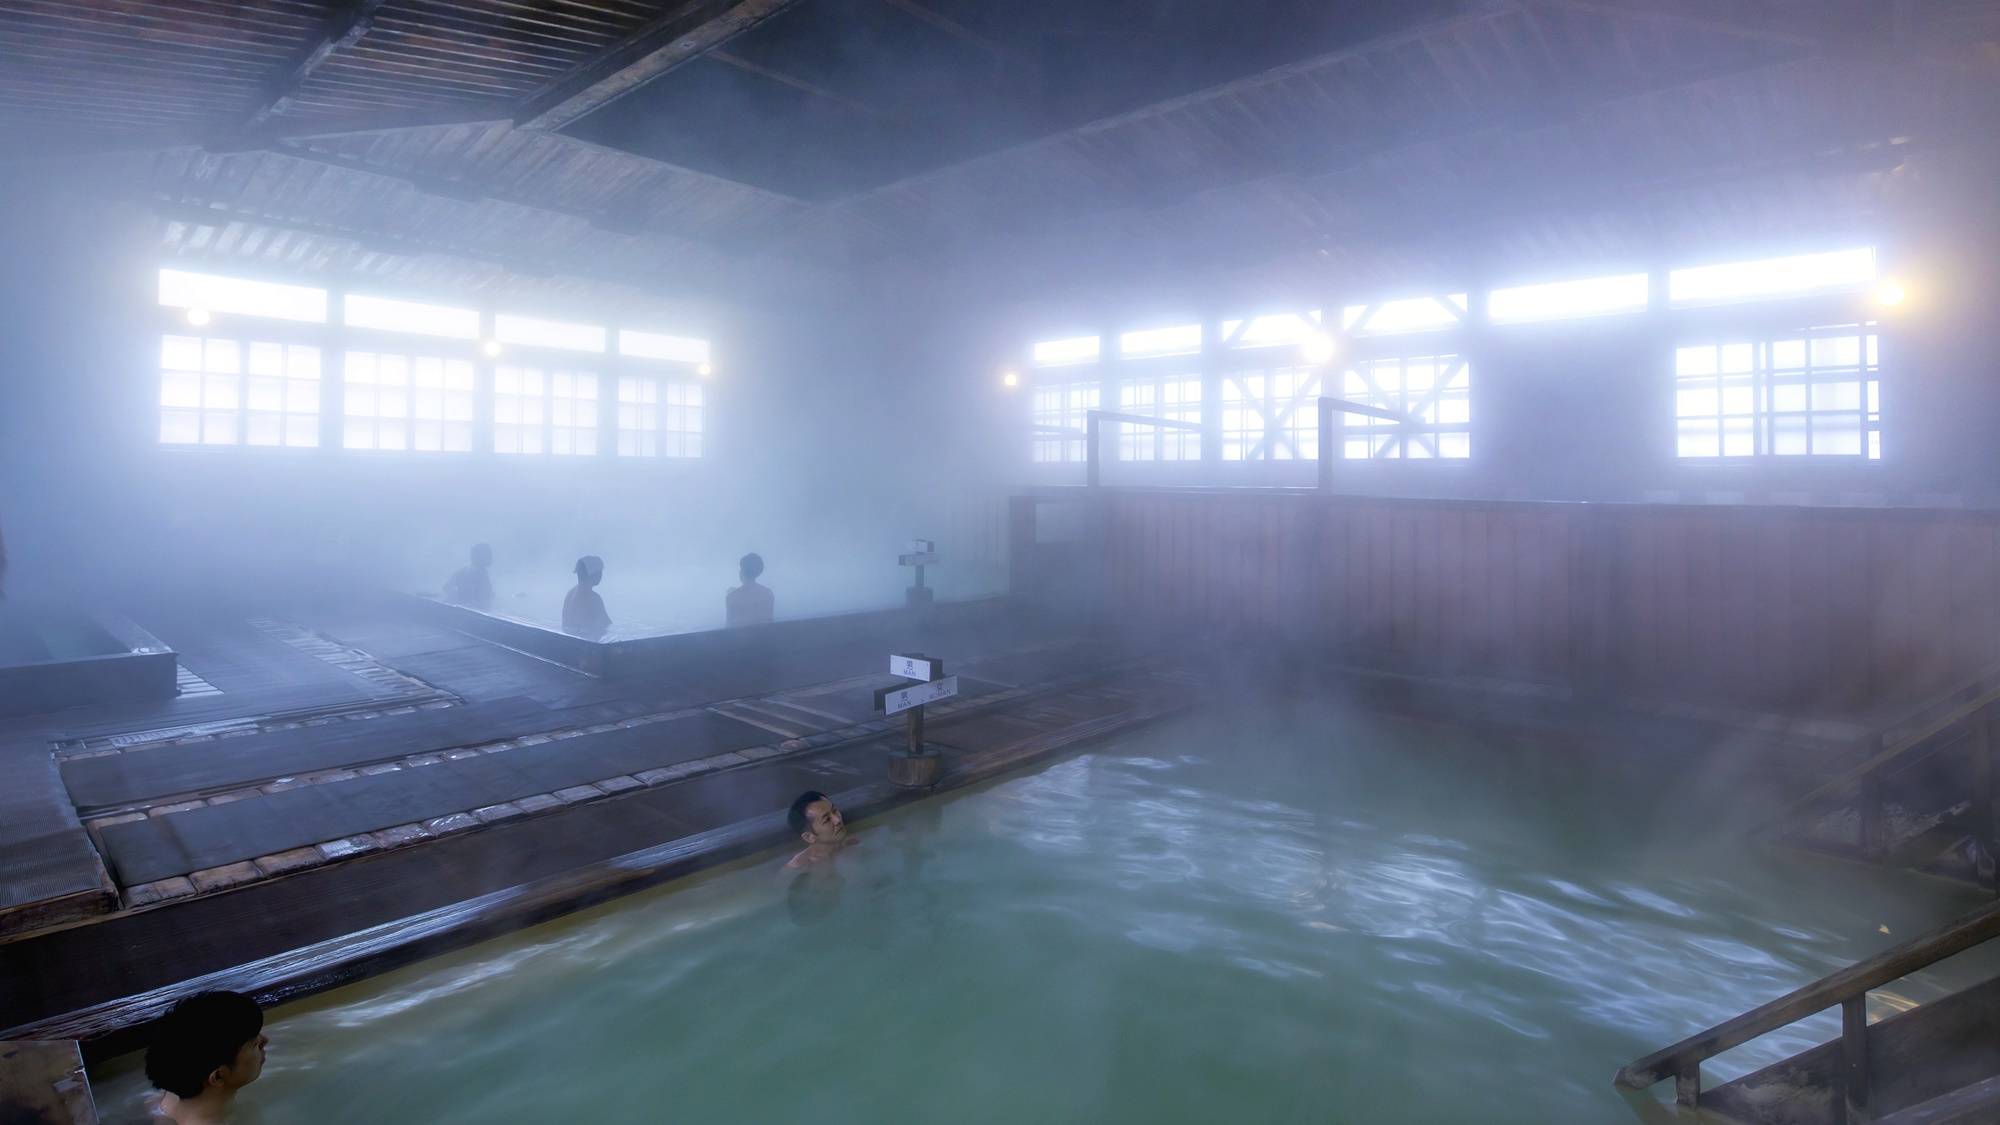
[471, 585]
[748, 604]
[583, 610]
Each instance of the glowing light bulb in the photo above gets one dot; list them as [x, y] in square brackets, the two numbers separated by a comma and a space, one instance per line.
[490, 347]
[704, 370]
[1318, 348]
[1891, 294]
[1009, 379]
[197, 316]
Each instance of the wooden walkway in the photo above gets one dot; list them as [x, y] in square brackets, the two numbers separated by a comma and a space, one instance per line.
[292, 853]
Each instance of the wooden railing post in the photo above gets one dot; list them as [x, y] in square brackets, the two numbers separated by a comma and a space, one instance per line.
[1871, 815]
[1982, 796]
[1687, 1087]
[1854, 1057]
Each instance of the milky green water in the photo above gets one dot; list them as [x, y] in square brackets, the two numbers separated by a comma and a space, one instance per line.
[1302, 918]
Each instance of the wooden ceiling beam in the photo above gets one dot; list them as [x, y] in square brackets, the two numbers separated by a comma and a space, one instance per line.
[342, 30]
[963, 33]
[686, 33]
[799, 84]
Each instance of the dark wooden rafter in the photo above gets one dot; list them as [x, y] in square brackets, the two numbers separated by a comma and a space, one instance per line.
[691, 30]
[963, 33]
[345, 27]
[799, 84]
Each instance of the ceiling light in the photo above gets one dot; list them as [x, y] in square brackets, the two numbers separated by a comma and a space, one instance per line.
[490, 347]
[1891, 294]
[1009, 379]
[1318, 348]
[198, 317]
[704, 370]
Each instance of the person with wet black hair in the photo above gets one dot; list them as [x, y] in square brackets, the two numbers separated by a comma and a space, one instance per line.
[583, 610]
[820, 825]
[208, 1046]
[472, 585]
[748, 604]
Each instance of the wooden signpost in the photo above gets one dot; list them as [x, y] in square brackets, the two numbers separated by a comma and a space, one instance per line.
[917, 766]
[922, 553]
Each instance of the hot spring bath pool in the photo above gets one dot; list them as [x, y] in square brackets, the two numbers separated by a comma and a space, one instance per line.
[1224, 920]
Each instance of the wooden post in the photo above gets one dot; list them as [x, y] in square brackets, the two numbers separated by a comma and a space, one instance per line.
[917, 730]
[1090, 457]
[1871, 816]
[1854, 1057]
[1982, 796]
[1687, 1086]
[1326, 449]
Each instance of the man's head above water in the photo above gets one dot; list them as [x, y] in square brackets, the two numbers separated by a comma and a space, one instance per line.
[815, 819]
[208, 1046]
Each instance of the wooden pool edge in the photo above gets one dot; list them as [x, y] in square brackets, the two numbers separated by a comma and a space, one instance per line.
[118, 1026]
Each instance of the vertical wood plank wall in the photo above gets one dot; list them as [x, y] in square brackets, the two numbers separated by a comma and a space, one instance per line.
[1839, 608]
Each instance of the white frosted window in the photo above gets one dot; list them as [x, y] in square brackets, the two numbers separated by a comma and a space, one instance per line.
[520, 409]
[414, 402]
[1838, 271]
[241, 296]
[1060, 412]
[1180, 339]
[217, 391]
[1434, 390]
[572, 413]
[681, 419]
[537, 333]
[1271, 331]
[1597, 296]
[1411, 314]
[1811, 393]
[1177, 398]
[638, 417]
[1271, 415]
[1076, 349]
[655, 345]
[387, 315]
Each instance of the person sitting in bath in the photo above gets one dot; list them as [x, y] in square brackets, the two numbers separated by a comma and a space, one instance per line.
[471, 585]
[583, 610]
[208, 1046]
[819, 824]
[748, 604]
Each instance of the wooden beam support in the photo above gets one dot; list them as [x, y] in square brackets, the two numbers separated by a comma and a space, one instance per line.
[799, 84]
[963, 33]
[342, 30]
[684, 34]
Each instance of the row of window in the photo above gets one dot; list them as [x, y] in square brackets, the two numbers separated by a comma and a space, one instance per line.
[222, 391]
[1814, 392]
[203, 295]
[1801, 275]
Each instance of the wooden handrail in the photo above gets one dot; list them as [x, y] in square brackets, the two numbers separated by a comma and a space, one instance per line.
[1841, 987]
[1902, 746]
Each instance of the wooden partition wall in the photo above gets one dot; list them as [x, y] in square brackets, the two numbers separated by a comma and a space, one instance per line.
[1775, 607]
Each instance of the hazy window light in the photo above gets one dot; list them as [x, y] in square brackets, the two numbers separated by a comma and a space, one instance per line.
[241, 296]
[656, 345]
[1076, 349]
[1059, 412]
[1597, 296]
[1179, 339]
[1411, 314]
[1801, 395]
[1838, 271]
[534, 332]
[228, 392]
[519, 409]
[638, 416]
[573, 414]
[390, 315]
[1436, 391]
[681, 419]
[1274, 330]
[1177, 398]
[421, 403]
[1271, 415]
